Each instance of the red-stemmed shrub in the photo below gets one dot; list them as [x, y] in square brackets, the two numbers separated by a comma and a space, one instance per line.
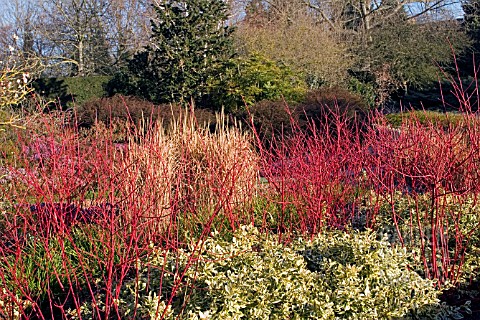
[315, 174]
[417, 182]
[81, 212]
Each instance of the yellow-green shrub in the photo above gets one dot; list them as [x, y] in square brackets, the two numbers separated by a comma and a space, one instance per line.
[367, 278]
[256, 78]
[425, 117]
[252, 276]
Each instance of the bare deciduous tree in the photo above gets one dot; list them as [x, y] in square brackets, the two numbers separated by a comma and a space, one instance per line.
[294, 38]
[367, 15]
[79, 37]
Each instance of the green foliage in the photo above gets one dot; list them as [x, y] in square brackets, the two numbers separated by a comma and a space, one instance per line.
[44, 270]
[53, 90]
[255, 277]
[256, 78]
[83, 89]
[122, 82]
[472, 27]
[71, 91]
[9, 146]
[252, 276]
[405, 54]
[5, 116]
[43, 265]
[189, 45]
[367, 278]
[423, 117]
[472, 17]
[365, 90]
[38, 267]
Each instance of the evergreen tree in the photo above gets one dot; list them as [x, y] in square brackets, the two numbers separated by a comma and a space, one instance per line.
[468, 60]
[471, 8]
[472, 23]
[190, 45]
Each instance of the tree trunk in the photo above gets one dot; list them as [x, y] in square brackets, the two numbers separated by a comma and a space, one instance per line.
[81, 63]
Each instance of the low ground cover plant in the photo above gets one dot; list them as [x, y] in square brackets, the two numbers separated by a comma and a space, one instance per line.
[252, 276]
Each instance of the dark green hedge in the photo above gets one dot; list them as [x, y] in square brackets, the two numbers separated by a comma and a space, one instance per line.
[86, 88]
[425, 117]
[71, 91]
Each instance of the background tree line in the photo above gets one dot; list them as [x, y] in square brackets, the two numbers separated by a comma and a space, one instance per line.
[231, 53]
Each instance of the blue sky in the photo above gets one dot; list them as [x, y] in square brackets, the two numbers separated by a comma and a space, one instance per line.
[455, 8]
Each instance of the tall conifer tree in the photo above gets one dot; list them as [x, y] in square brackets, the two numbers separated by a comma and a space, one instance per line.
[472, 25]
[190, 45]
[472, 15]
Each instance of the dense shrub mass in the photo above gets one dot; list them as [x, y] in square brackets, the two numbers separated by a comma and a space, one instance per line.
[271, 118]
[256, 78]
[135, 111]
[116, 108]
[147, 250]
[369, 278]
[319, 108]
[83, 89]
[324, 104]
[122, 113]
[114, 207]
[67, 92]
[253, 276]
